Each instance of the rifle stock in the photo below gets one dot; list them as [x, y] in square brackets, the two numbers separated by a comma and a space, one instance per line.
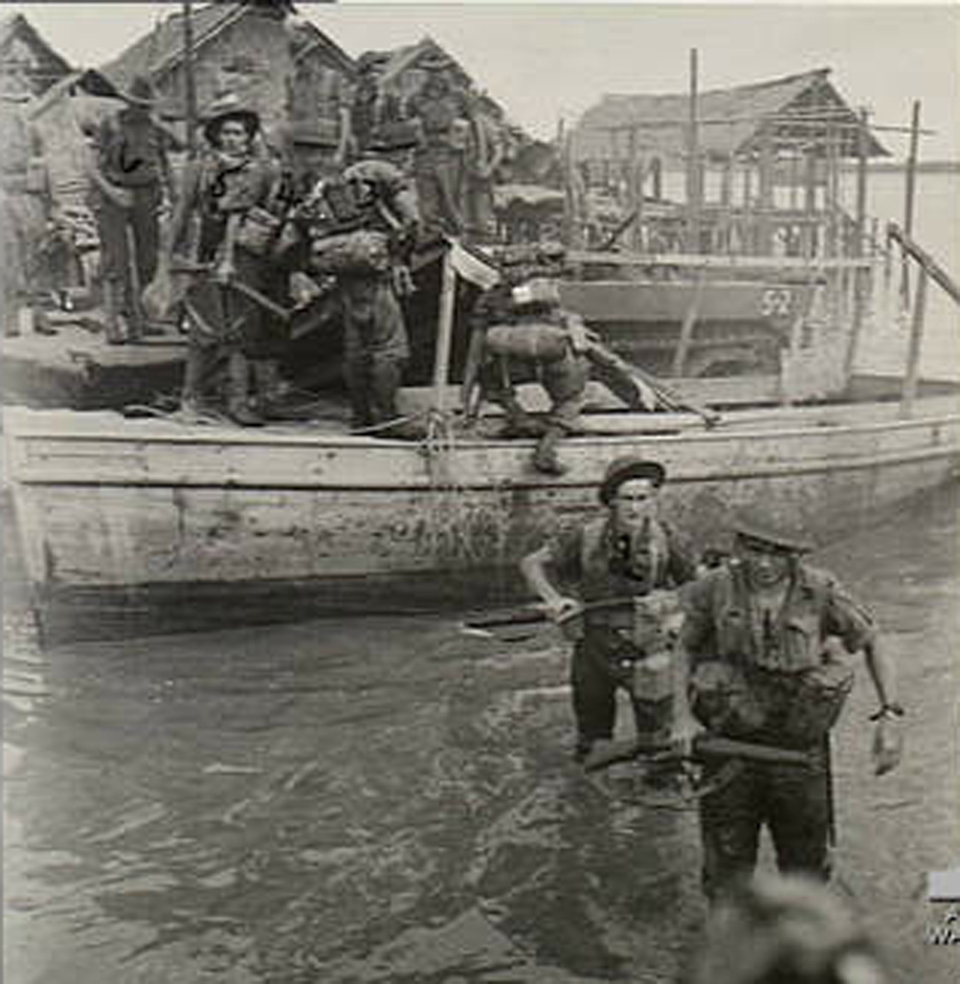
[700, 748]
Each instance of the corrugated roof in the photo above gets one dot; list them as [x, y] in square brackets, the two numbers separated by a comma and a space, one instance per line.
[792, 109]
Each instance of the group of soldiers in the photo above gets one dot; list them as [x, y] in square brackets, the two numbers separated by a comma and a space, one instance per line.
[263, 224]
[752, 647]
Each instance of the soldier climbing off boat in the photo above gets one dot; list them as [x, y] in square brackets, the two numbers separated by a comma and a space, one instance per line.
[233, 189]
[130, 178]
[610, 583]
[768, 639]
[519, 325]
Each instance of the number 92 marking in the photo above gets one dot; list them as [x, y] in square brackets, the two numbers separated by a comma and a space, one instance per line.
[776, 302]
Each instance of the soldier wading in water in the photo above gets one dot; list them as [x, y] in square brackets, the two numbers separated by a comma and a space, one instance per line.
[768, 639]
[629, 557]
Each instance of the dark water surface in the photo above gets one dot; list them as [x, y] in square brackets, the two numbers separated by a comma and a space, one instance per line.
[374, 800]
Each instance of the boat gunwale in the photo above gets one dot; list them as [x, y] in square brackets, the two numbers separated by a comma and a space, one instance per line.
[723, 431]
[808, 466]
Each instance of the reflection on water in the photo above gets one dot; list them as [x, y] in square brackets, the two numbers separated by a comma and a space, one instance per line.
[375, 800]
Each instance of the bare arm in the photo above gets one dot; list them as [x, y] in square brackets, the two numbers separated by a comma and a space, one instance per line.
[887, 739]
[534, 569]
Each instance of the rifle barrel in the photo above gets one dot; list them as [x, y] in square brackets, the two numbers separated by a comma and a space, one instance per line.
[703, 746]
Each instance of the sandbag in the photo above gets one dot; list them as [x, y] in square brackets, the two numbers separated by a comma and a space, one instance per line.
[363, 252]
[530, 342]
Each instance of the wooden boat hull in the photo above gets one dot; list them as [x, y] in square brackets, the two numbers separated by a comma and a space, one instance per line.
[147, 509]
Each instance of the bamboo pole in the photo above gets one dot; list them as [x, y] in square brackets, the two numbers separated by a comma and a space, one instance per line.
[189, 80]
[441, 364]
[765, 225]
[909, 394]
[693, 162]
[909, 194]
[861, 216]
[809, 232]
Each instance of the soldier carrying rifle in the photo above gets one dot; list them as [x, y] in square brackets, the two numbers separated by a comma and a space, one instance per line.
[769, 639]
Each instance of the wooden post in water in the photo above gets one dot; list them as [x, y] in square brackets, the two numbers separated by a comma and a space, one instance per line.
[686, 329]
[693, 163]
[189, 80]
[862, 160]
[909, 394]
[861, 278]
[909, 196]
[441, 362]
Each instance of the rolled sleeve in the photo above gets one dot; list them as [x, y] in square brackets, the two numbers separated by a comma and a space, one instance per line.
[845, 618]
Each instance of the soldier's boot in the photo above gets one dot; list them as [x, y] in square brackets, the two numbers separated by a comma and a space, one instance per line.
[268, 388]
[238, 392]
[545, 456]
[193, 407]
[112, 303]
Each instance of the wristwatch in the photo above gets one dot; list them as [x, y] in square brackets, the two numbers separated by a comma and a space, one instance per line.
[888, 710]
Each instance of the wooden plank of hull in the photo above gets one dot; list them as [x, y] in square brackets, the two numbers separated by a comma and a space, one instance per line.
[614, 301]
[146, 503]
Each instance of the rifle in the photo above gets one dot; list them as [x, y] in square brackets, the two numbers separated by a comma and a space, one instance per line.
[699, 748]
[532, 614]
[183, 266]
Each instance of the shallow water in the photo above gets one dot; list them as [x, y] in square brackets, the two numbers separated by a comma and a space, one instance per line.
[374, 800]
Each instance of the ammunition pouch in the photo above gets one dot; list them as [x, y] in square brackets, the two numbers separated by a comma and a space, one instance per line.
[636, 640]
[347, 201]
[258, 231]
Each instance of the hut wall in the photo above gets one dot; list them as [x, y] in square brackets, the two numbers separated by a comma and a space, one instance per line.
[318, 89]
[62, 128]
[250, 57]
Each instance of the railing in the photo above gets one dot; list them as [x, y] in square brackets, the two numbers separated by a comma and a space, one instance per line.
[929, 269]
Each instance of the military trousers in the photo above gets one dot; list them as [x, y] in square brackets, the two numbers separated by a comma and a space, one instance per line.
[792, 803]
[597, 673]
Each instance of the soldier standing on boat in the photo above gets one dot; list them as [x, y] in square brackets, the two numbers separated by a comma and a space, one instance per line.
[366, 228]
[130, 177]
[444, 112]
[617, 574]
[768, 640]
[233, 189]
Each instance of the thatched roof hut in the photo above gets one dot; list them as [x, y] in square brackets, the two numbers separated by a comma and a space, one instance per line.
[801, 112]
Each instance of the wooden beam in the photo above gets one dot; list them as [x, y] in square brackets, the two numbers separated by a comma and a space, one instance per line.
[712, 262]
[926, 261]
[909, 395]
[909, 194]
[686, 329]
[694, 195]
[861, 216]
[189, 79]
[441, 365]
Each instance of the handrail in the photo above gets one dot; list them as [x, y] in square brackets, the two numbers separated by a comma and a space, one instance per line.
[925, 260]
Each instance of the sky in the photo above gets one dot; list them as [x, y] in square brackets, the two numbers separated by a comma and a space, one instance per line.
[543, 61]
